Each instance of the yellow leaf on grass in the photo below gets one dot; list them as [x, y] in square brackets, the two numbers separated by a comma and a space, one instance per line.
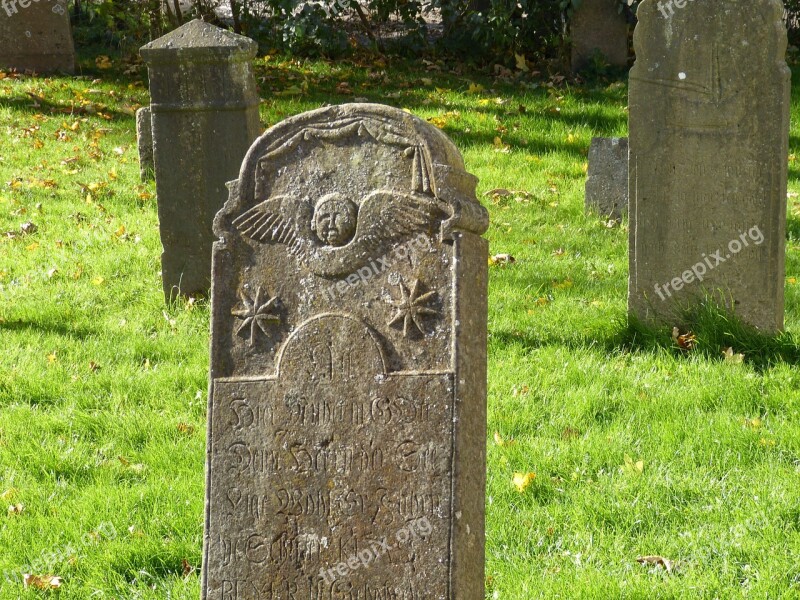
[754, 423]
[475, 88]
[732, 357]
[9, 494]
[51, 358]
[103, 62]
[632, 466]
[563, 285]
[522, 64]
[98, 280]
[498, 439]
[523, 480]
[186, 428]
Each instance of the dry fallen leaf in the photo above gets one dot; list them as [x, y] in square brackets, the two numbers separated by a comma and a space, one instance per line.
[657, 561]
[16, 509]
[685, 341]
[501, 259]
[28, 228]
[42, 582]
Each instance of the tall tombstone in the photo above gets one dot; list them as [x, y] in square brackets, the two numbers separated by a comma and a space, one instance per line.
[35, 35]
[709, 127]
[204, 110]
[598, 26]
[347, 413]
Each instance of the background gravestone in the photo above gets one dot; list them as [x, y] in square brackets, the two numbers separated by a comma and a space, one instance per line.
[607, 183]
[36, 37]
[598, 26]
[709, 126]
[348, 367]
[204, 106]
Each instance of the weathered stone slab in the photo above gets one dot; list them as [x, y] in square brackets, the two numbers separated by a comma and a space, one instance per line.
[35, 35]
[598, 26]
[144, 138]
[709, 126]
[204, 105]
[347, 415]
[607, 182]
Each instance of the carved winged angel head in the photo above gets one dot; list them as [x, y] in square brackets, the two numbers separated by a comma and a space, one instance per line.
[333, 232]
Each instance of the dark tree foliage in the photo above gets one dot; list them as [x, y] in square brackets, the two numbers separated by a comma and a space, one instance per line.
[482, 30]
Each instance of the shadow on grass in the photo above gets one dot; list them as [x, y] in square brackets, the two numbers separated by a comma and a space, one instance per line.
[70, 331]
[711, 329]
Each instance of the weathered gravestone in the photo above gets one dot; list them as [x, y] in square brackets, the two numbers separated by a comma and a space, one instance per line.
[607, 183]
[204, 105]
[35, 35]
[597, 26]
[709, 125]
[346, 450]
[144, 138]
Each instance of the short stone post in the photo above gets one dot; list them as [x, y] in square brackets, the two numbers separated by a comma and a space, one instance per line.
[205, 117]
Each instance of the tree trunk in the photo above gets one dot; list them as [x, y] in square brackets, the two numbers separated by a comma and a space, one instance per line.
[178, 12]
[237, 24]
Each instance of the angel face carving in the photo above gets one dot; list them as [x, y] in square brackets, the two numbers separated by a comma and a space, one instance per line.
[335, 220]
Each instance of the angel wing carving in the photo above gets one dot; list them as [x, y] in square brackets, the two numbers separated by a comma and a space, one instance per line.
[280, 220]
[335, 236]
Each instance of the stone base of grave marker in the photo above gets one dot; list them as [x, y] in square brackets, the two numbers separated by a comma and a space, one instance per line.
[144, 138]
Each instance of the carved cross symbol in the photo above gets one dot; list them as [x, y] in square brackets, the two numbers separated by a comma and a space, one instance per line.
[256, 314]
[412, 307]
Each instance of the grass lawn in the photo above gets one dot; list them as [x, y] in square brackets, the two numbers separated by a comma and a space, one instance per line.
[103, 387]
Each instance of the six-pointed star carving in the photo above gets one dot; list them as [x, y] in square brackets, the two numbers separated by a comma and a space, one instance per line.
[256, 314]
[412, 307]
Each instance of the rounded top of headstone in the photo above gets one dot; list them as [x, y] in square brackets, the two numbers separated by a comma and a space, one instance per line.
[361, 149]
[199, 40]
